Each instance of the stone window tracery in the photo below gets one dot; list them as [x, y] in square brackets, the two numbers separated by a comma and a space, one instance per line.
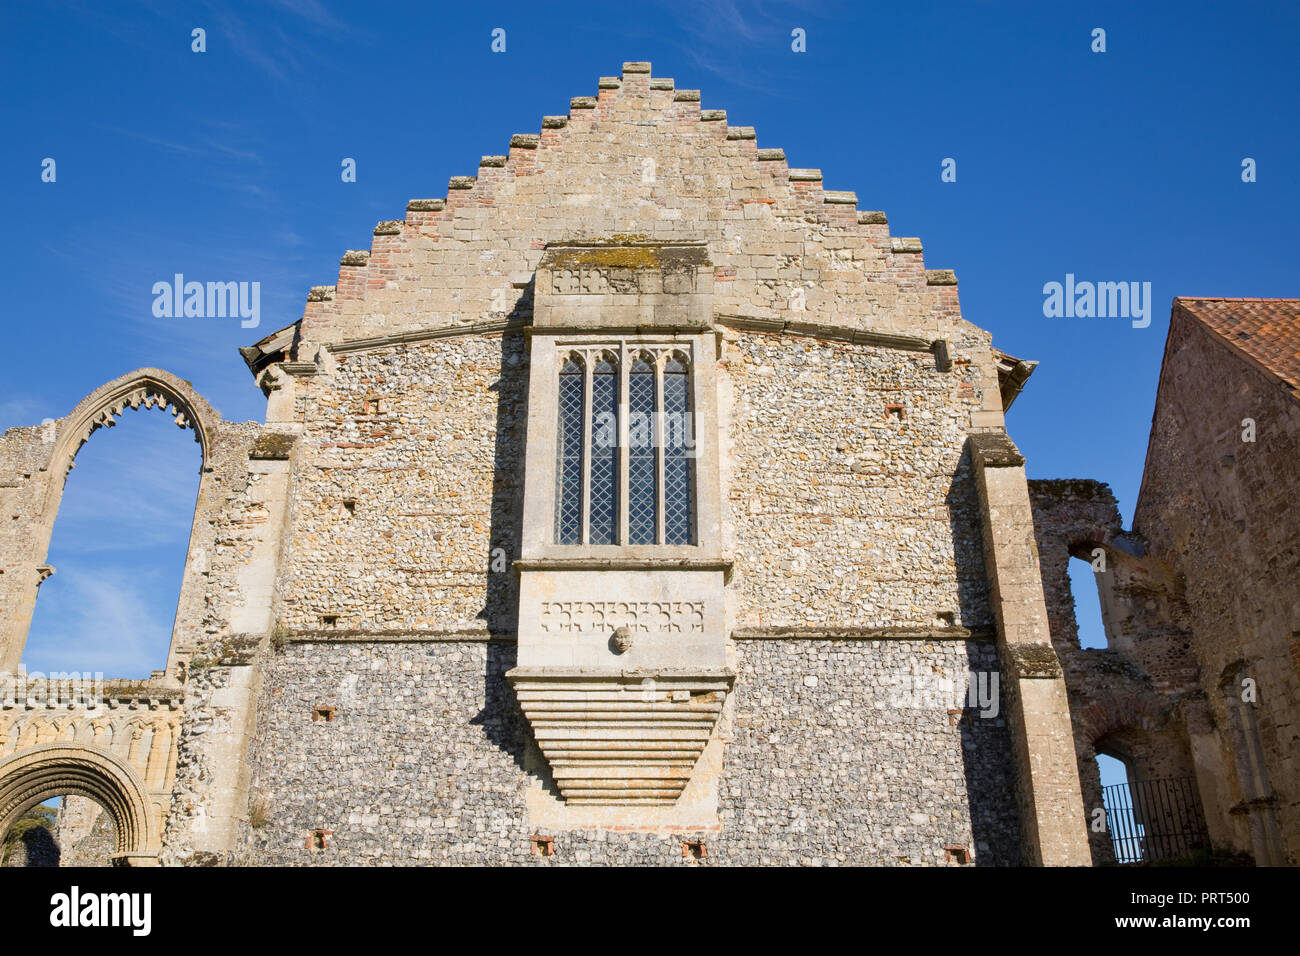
[626, 445]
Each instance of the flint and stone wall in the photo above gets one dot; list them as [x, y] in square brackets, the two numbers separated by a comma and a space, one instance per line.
[839, 512]
[838, 752]
[842, 514]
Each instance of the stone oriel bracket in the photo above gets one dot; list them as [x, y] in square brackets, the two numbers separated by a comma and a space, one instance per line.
[621, 739]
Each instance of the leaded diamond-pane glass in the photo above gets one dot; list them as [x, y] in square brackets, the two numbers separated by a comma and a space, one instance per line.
[642, 499]
[679, 447]
[568, 473]
[604, 452]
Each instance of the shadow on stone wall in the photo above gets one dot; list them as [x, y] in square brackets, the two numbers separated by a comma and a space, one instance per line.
[501, 718]
[986, 740]
[965, 524]
[990, 770]
[500, 611]
[37, 847]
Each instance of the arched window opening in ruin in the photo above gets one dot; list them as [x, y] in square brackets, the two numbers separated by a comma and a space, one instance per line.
[1112, 770]
[118, 551]
[1124, 823]
[1087, 603]
[67, 830]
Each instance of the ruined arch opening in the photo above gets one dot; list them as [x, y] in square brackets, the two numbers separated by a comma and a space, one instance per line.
[1152, 803]
[67, 830]
[1087, 562]
[120, 532]
[1123, 835]
[89, 779]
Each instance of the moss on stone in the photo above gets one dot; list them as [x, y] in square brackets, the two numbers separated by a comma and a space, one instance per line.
[135, 689]
[1034, 660]
[610, 257]
[225, 652]
[274, 446]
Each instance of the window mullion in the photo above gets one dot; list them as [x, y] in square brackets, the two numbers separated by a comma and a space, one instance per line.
[623, 452]
[660, 535]
[586, 450]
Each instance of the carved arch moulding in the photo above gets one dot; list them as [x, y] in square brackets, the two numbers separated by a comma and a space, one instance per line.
[143, 388]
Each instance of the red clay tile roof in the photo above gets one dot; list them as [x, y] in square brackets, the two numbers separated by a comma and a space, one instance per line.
[1266, 331]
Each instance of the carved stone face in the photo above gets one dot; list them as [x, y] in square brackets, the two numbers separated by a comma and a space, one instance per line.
[621, 641]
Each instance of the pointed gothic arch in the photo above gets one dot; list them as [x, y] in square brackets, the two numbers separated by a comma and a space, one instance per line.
[64, 437]
[145, 387]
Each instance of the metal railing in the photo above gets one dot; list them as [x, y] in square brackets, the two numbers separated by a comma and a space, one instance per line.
[1153, 820]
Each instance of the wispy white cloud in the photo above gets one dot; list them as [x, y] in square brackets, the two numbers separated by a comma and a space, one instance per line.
[269, 38]
[123, 267]
[313, 11]
[106, 620]
[724, 35]
[208, 144]
[279, 52]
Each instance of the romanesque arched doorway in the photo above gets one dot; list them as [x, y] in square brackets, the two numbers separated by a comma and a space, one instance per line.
[35, 775]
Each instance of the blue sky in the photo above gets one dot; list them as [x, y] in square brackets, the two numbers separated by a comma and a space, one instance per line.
[1115, 166]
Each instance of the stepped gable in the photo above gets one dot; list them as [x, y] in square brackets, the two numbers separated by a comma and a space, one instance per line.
[640, 161]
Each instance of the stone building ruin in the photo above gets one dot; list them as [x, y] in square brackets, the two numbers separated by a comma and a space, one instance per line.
[642, 501]
[1200, 679]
